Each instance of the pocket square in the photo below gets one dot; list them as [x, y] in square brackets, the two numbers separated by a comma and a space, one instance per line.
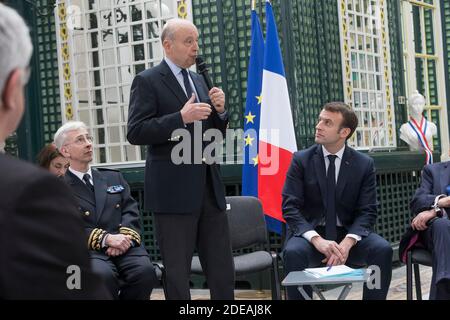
[115, 189]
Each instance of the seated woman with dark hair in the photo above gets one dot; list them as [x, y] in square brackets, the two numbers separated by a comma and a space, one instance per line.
[51, 159]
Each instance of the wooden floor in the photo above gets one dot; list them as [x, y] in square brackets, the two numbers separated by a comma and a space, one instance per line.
[397, 290]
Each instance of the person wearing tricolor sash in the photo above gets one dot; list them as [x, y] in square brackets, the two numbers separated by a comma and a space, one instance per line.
[418, 132]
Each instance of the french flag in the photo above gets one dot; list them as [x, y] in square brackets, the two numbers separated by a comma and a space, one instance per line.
[252, 113]
[276, 132]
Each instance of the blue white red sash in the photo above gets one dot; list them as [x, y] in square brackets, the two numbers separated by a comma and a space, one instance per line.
[420, 132]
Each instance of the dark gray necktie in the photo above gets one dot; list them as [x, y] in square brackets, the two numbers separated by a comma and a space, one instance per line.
[330, 224]
[87, 180]
[187, 84]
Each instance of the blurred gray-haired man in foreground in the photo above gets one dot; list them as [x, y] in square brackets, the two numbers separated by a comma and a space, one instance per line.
[43, 255]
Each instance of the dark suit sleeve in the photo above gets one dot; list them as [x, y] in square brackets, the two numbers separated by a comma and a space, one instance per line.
[144, 126]
[45, 236]
[219, 123]
[294, 198]
[130, 214]
[423, 199]
[366, 209]
[203, 91]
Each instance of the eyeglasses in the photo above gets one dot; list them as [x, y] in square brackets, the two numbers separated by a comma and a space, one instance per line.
[80, 140]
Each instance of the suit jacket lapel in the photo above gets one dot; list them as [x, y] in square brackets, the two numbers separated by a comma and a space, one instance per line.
[79, 188]
[319, 165]
[172, 83]
[444, 178]
[100, 187]
[344, 172]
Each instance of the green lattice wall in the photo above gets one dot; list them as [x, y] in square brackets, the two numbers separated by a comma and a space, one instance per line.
[432, 76]
[42, 115]
[315, 62]
[396, 51]
[226, 48]
[445, 9]
[431, 66]
[313, 74]
[48, 72]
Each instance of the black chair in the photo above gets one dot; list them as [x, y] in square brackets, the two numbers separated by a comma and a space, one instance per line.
[414, 258]
[161, 275]
[248, 228]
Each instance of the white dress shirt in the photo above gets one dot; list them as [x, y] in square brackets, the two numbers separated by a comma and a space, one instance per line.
[308, 235]
[176, 70]
[81, 174]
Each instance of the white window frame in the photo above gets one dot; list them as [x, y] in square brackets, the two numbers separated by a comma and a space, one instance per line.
[380, 103]
[113, 76]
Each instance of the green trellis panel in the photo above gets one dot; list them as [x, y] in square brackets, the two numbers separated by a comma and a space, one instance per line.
[396, 51]
[42, 116]
[445, 10]
[313, 74]
[430, 40]
[314, 62]
[224, 28]
[48, 71]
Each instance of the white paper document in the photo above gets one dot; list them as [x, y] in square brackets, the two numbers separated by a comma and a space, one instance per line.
[334, 271]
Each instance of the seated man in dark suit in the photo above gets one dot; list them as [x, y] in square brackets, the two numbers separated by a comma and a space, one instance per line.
[429, 202]
[110, 215]
[329, 204]
[42, 254]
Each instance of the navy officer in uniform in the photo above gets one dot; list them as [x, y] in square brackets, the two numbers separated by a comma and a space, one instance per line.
[111, 218]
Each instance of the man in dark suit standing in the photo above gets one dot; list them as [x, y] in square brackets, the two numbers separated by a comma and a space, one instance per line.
[187, 199]
[111, 218]
[431, 201]
[329, 204]
[43, 255]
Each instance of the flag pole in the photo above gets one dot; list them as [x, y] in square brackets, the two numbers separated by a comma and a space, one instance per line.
[253, 4]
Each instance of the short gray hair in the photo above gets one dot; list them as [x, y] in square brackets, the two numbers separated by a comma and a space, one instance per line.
[61, 135]
[15, 44]
[171, 26]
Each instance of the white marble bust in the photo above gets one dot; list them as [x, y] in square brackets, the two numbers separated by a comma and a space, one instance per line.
[416, 103]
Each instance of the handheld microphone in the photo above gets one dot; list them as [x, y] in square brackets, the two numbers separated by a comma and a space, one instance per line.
[202, 69]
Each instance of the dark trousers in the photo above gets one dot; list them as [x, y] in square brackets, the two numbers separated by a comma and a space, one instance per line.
[207, 230]
[437, 239]
[299, 254]
[126, 277]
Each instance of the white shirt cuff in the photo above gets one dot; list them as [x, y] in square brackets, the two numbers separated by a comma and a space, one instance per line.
[308, 235]
[104, 240]
[354, 236]
[436, 200]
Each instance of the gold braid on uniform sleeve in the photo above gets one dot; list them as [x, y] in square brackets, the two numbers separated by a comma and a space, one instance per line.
[134, 235]
[95, 239]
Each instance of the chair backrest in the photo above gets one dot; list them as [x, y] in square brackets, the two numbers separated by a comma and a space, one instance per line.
[246, 221]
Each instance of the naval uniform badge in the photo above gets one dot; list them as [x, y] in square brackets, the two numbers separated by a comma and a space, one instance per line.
[115, 189]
